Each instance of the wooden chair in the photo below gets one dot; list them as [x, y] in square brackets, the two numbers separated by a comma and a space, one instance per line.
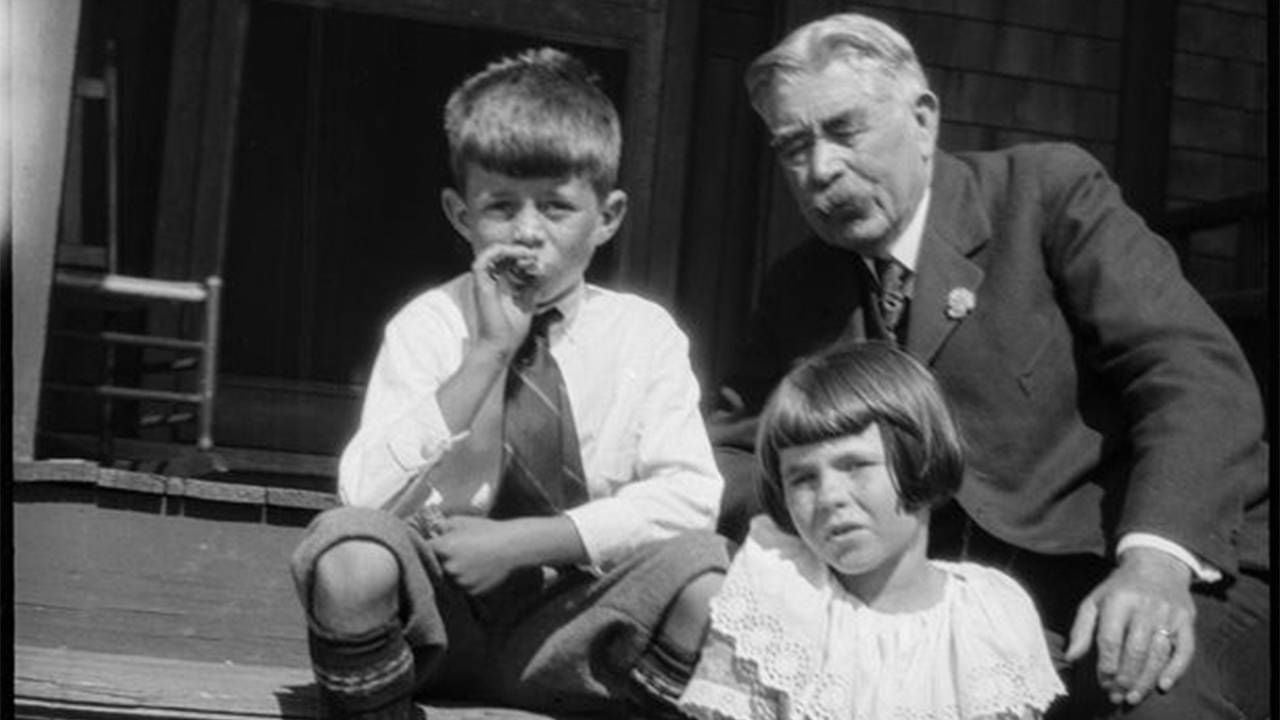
[90, 272]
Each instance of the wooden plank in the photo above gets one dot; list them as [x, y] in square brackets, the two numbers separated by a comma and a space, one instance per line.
[302, 499]
[285, 463]
[237, 459]
[135, 481]
[137, 683]
[1104, 152]
[1194, 176]
[1233, 83]
[225, 492]
[610, 23]
[51, 681]
[947, 41]
[1255, 8]
[1221, 243]
[1026, 105]
[1243, 175]
[1242, 207]
[1209, 31]
[127, 614]
[957, 136]
[963, 136]
[138, 287]
[1099, 18]
[306, 419]
[101, 574]
[1216, 128]
[90, 474]
[55, 471]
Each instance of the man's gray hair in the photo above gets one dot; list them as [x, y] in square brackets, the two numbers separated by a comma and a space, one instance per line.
[857, 40]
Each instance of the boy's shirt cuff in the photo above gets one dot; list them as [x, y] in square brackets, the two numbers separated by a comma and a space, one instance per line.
[604, 528]
[1202, 572]
[421, 437]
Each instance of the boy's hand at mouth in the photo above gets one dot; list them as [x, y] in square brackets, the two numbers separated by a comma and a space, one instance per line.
[505, 284]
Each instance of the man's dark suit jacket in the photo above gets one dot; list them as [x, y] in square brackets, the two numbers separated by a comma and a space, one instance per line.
[1096, 391]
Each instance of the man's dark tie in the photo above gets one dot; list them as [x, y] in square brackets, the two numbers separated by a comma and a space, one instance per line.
[541, 463]
[895, 291]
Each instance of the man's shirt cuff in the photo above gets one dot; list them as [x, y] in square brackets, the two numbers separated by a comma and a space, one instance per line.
[1203, 572]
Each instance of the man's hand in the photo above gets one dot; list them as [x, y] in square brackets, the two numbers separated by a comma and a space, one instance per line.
[1145, 625]
[477, 553]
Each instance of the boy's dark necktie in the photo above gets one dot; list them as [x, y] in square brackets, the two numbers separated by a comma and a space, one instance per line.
[541, 463]
[895, 291]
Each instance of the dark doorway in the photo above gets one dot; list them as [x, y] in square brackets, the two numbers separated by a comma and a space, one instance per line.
[334, 218]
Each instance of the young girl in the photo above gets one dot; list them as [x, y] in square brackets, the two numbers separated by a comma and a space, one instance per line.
[831, 609]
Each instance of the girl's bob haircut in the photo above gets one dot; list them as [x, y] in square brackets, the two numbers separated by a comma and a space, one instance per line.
[841, 391]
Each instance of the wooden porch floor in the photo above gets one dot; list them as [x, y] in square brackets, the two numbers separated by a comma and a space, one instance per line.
[64, 683]
[144, 596]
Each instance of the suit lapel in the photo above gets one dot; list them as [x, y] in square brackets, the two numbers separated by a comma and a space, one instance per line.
[956, 228]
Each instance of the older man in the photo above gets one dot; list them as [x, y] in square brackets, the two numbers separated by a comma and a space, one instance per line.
[1117, 460]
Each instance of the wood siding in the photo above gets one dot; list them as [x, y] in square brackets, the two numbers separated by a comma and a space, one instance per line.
[1218, 137]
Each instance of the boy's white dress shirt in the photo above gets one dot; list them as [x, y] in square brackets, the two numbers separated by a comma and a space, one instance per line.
[650, 470]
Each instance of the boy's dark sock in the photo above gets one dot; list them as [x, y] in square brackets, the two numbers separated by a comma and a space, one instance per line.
[365, 677]
[658, 679]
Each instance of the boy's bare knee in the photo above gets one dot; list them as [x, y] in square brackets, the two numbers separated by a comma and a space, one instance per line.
[355, 588]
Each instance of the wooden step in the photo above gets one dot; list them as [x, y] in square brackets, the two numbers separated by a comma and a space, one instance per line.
[66, 683]
[145, 596]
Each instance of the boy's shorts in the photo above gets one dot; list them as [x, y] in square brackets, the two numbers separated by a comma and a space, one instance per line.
[558, 642]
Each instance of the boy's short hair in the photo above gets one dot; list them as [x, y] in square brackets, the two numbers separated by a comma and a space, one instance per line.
[841, 391]
[537, 114]
[851, 38]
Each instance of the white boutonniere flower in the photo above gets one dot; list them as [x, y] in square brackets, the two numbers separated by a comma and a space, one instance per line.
[960, 302]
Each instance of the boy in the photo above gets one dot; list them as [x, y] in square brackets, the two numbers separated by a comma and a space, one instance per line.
[530, 456]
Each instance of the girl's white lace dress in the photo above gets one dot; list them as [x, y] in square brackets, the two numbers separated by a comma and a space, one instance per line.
[787, 642]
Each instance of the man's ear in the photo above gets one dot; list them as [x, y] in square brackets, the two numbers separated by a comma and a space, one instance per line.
[612, 209]
[455, 208]
[925, 112]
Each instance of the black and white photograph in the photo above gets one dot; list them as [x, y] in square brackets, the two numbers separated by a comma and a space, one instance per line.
[640, 359]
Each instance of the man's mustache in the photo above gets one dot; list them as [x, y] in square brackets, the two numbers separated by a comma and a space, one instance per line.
[841, 205]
